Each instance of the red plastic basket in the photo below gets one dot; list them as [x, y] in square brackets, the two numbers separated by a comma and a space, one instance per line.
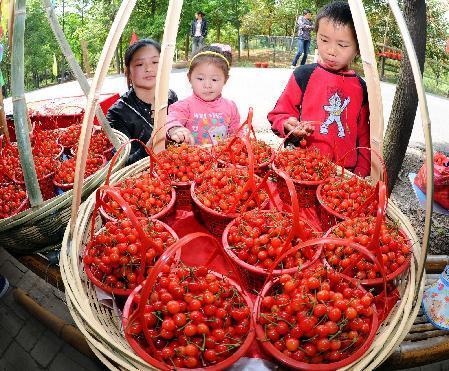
[68, 186]
[273, 284]
[329, 216]
[255, 275]
[374, 243]
[163, 214]
[145, 241]
[214, 221]
[134, 309]
[45, 184]
[306, 190]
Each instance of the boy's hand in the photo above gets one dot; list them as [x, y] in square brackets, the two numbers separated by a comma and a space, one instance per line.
[302, 129]
[180, 134]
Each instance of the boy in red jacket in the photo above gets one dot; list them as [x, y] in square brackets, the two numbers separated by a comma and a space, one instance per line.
[330, 94]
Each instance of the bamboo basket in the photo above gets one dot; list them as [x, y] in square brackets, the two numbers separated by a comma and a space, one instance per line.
[36, 228]
[101, 325]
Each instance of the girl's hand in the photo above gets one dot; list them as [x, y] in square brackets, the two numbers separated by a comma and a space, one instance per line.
[180, 134]
[302, 129]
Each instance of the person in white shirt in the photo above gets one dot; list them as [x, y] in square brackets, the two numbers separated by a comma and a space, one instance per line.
[198, 31]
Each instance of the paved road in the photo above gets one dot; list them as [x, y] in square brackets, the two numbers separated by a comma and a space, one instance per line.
[259, 88]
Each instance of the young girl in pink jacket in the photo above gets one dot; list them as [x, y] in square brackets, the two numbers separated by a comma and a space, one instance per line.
[205, 117]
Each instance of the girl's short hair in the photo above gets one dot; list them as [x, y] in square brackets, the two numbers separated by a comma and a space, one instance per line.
[220, 55]
[339, 13]
[133, 48]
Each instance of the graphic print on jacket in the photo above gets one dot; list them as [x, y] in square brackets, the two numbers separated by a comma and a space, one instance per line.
[335, 109]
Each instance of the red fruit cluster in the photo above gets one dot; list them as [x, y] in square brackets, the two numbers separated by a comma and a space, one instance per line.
[221, 189]
[45, 144]
[346, 195]
[258, 238]
[316, 317]
[146, 195]
[12, 197]
[394, 248]
[237, 153]
[194, 318]
[65, 173]
[99, 144]
[44, 167]
[113, 256]
[182, 163]
[304, 164]
[70, 136]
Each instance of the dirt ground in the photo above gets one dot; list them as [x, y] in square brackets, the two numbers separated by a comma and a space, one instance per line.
[404, 197]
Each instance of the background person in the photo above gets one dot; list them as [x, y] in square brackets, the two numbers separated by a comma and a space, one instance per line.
[305, 26]
[198, 31]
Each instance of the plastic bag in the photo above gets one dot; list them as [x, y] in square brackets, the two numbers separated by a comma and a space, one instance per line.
[440, 179]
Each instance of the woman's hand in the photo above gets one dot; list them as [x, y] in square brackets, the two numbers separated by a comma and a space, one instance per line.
[180, 134]
[302, 129]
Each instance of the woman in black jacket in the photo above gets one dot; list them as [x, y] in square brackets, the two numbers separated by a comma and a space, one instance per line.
[132, 114]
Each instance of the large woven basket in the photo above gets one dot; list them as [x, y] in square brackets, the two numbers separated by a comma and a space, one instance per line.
[101, 325]
[36, 228]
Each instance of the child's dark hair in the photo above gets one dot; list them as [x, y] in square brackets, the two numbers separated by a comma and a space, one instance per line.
[339, 13]
[132, 49]
[212, 54]
[306, 11]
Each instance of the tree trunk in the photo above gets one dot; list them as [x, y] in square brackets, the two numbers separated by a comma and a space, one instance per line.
[405, 101]
[218, 31]
[117, 60]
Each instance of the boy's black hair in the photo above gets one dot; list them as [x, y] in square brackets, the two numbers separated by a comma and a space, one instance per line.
[339, 13]
[201, 14]
[133, 48]
[306, 11]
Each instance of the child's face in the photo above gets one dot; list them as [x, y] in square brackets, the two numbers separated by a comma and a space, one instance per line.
[207, 81]
[336, 45]
[143, 67]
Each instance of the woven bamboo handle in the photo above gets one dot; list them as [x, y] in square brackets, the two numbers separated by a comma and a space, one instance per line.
[107, 53]
[408, 43]
[163, 73]
[372, 81]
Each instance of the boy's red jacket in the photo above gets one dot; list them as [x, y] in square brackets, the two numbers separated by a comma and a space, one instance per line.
[338, 101]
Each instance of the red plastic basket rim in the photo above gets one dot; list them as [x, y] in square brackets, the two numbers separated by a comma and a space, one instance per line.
[101, 285]
[219, 366]
[67, 186]
[375, 281]
[258, 270]
[158, 215]
[300, 182]
[310, 366]
[326, 207]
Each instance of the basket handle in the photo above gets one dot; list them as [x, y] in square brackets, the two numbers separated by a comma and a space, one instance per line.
[296, 230]
[146, 241]
[340, 161]
[115, 157]
[251, 183]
